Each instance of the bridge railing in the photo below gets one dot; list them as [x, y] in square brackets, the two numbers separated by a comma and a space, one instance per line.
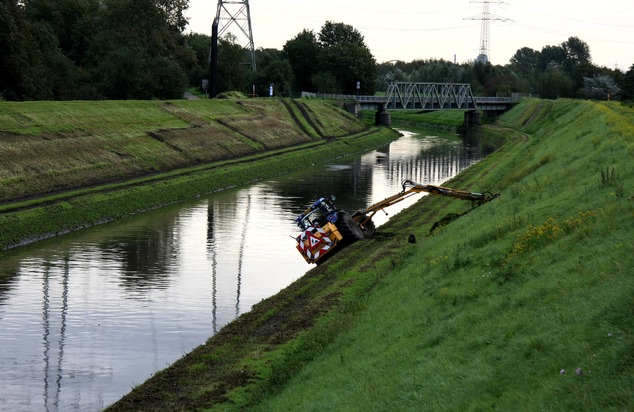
[482, 100]
[356, 97]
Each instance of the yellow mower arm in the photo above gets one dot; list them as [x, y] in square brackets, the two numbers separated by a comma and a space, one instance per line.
[410, 188]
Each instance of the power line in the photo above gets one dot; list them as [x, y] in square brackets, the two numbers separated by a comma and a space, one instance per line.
[485, 34]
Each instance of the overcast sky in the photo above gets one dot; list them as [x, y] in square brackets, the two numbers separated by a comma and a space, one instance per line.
[414, 29]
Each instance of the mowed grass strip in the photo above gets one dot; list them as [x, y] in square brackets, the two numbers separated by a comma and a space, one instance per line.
[31, 218]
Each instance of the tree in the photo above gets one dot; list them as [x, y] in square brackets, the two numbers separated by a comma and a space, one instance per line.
[19, 51]
[578, 73]
[200, 44]
[168, 80]
[555, 83]
[501, 82]
[600, 87]
[628, 84]
[389, 73]
[232, 72]
[174, 12]
[481, 72]
[123, 74]
[302, 53]
[141, 33]
[332, 34]
[71, 22]
[525, 60]
[325, 82]
[273, 69]
[551, 56]
[576, 51]
[346, 58]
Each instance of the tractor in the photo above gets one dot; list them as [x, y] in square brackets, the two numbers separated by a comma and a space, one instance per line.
[325, 228]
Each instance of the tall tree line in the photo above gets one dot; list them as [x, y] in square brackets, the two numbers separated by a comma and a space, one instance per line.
[137, 49]
[563, 70]
[93, 49]
[334, 60]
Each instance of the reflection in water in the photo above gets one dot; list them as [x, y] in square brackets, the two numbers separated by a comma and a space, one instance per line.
[52, 369]
[85, 317]
[211, 250]
[144, 258]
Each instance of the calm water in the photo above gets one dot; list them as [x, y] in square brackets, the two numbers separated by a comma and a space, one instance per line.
[85, 317]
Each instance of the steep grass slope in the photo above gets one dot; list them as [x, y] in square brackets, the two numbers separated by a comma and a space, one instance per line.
[526, 303]
[55, 146]
[70, 165]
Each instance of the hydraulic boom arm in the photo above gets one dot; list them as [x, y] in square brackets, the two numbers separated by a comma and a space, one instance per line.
[410, 188]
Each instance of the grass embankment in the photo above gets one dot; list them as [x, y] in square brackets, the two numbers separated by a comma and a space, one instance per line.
[524, 303]
[69, 165]
[447, 120]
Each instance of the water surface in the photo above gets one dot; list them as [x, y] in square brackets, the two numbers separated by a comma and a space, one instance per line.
[87, 316]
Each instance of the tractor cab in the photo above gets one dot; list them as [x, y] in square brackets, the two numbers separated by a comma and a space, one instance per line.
[319, 234]
[320, 213]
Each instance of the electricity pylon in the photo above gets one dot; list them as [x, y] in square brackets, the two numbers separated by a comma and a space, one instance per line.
[237, 13]
[485, 35]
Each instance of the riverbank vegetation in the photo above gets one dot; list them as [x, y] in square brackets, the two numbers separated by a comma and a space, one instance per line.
[70, 165]
[524, 302]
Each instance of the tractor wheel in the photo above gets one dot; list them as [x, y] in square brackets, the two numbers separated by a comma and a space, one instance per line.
[348, 228]
[370, 229]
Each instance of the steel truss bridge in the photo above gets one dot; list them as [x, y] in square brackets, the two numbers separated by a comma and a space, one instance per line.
[429, 97]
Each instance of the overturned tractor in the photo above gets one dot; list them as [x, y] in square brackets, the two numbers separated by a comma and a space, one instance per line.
[326, 228]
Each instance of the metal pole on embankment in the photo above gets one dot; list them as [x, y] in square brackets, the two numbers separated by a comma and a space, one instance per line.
[213, 59]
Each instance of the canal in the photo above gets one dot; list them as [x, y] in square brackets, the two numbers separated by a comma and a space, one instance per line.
[86, 317]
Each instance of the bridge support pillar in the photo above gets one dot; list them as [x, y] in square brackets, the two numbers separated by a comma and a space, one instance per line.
[382, 116]
[471, 118]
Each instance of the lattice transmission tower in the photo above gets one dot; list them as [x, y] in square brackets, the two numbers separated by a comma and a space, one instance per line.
[485, 34]
[236, 13]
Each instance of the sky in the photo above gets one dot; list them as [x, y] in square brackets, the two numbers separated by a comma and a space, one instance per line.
[408, 30]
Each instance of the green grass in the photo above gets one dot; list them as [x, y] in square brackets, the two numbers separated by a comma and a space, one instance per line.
[486, 313]
[70, 165]
[524, 303]
[58, 146]
[37, 118]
